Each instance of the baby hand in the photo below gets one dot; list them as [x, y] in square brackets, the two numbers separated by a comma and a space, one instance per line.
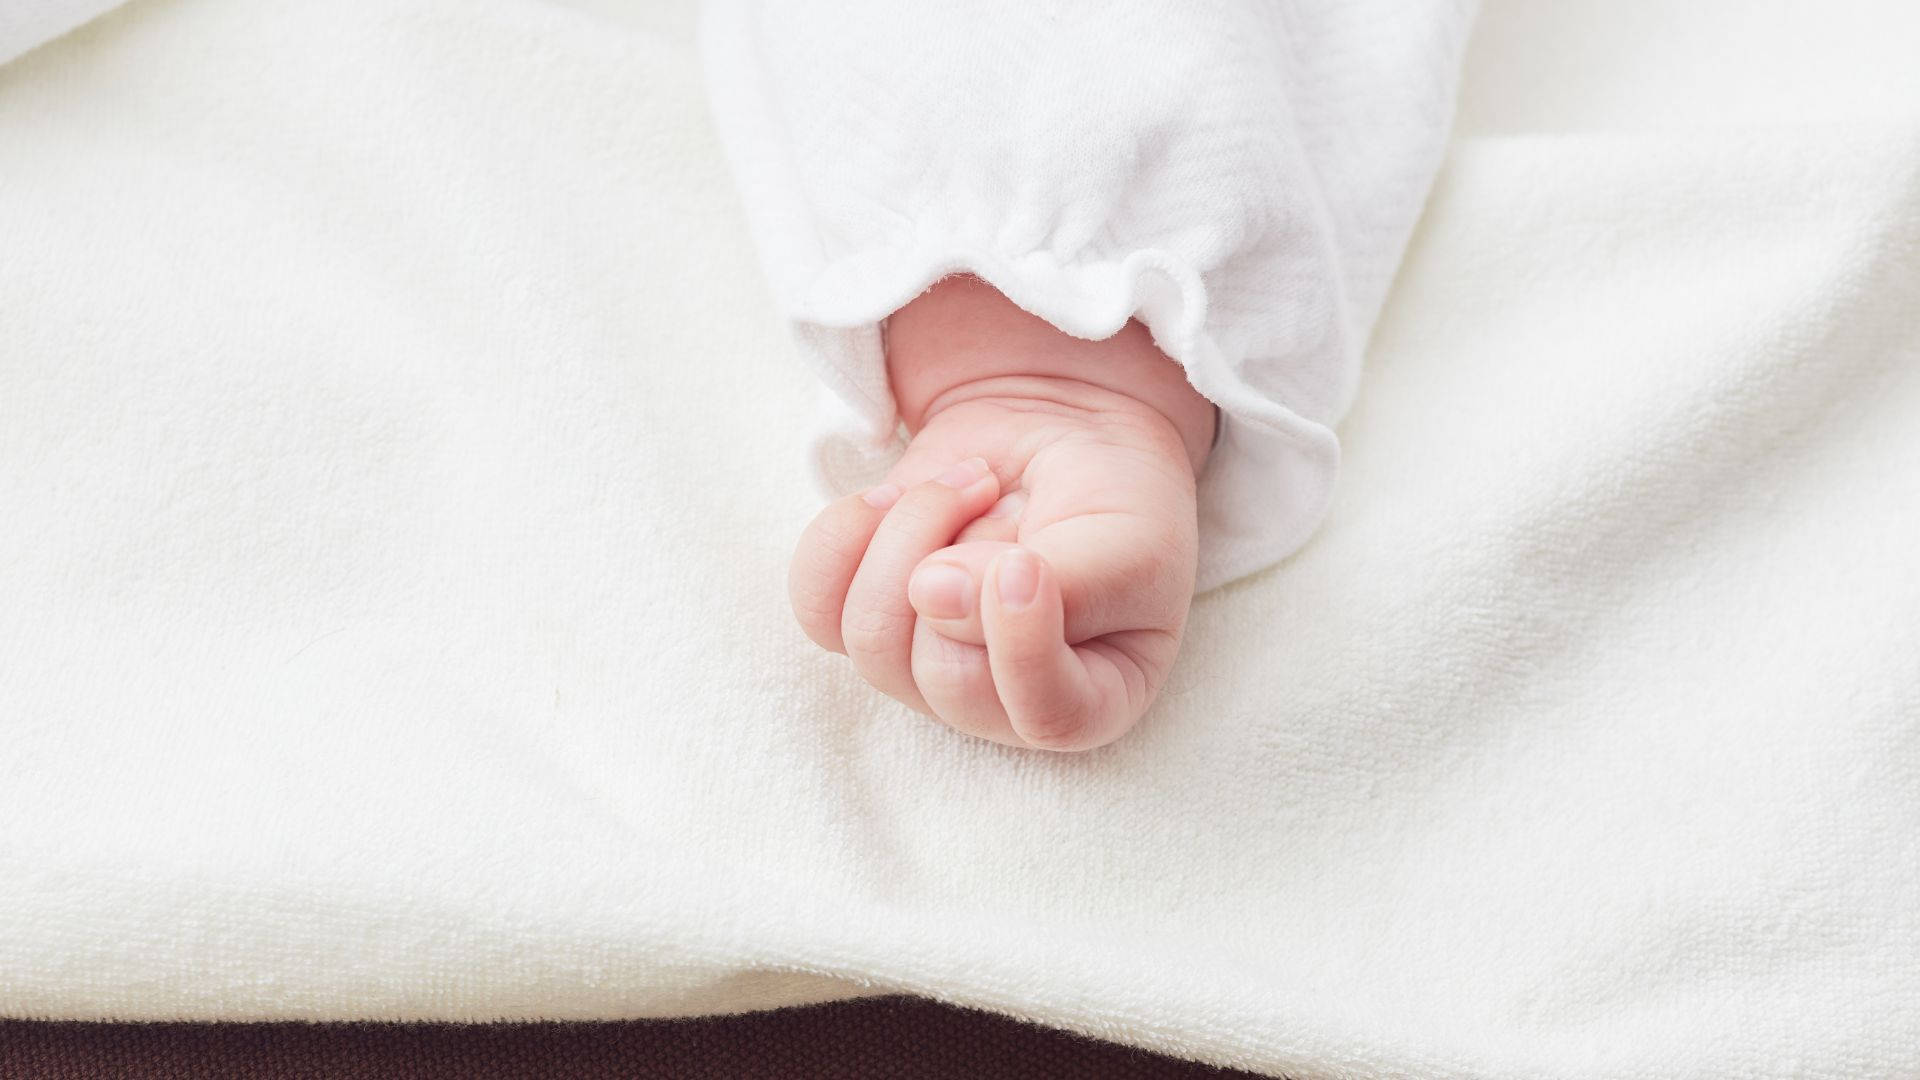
[1024, 574]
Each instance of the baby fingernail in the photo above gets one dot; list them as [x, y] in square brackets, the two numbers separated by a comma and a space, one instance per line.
[882, 497]
[941, 591]
[1017, 578]
[964, 474]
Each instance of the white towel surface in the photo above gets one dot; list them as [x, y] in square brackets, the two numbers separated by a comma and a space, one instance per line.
[399, 456]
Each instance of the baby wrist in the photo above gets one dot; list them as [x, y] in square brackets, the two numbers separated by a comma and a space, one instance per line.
[962, 339]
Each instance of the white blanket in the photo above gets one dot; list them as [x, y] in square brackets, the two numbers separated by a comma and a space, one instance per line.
[398, 460]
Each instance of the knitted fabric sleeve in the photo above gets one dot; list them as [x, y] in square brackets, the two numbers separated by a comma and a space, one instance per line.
[1241, 176]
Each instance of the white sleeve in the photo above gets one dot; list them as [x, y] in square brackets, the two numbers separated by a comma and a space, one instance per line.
[27, 24]
[1240, 175]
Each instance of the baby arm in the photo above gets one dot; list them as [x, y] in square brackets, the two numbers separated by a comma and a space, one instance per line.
[1025, 572]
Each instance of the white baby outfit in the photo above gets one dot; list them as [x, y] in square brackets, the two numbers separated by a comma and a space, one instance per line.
[1242, 177]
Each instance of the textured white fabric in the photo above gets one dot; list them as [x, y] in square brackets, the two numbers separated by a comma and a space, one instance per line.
[25, 24]
[399, 458]
[1240, 176]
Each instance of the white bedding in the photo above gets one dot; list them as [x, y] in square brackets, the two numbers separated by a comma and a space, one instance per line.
[398, 459]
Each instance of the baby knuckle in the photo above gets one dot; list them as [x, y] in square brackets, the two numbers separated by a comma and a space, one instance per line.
[818, 615]
[924, 505]
[815, 584]
[837, 537]
[808, 573]
[822, 635]
[948, 682]
[1160, 548]
[867, 630]
[1053, 726]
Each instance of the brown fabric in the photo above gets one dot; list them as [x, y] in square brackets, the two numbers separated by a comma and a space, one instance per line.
[894, 1038]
